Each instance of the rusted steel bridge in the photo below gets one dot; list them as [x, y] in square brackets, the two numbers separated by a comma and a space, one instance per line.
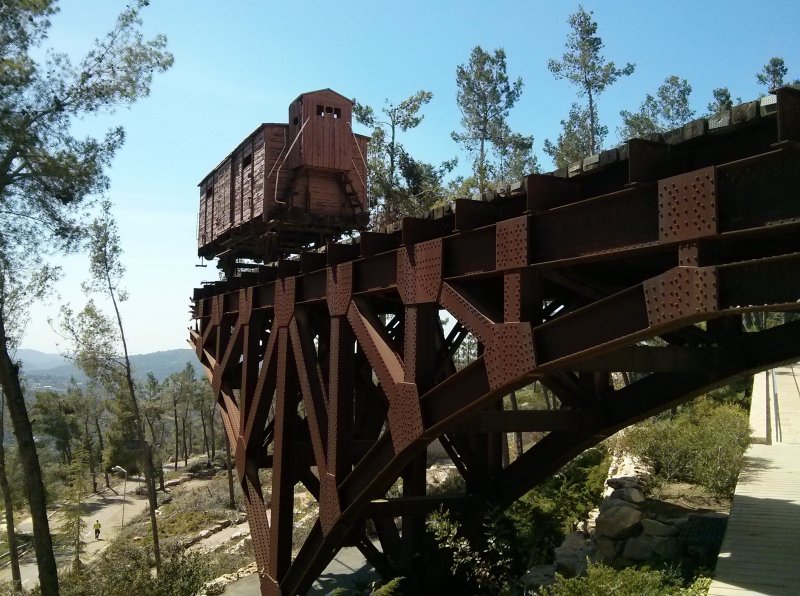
[334, 370]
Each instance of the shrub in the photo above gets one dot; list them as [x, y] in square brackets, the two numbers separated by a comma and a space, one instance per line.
[704, 444]
[484, 563]
[545, 515]
[601, 580]
[123, 570]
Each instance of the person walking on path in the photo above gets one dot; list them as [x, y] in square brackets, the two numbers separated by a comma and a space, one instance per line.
[97, 529]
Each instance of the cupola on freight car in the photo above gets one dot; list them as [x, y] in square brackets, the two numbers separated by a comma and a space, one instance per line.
[287, 187]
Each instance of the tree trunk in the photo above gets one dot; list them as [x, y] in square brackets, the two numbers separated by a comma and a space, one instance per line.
[32, 472]
[185, 451]
[13, 553]
[102, 448]
[87, 440]
[591, 122]
[160, 466]
[517, 434]
[547, 399]
[205, 436]
[213, 434]
[177, 432]
[146, 450]
[191, 439]
[230, 470]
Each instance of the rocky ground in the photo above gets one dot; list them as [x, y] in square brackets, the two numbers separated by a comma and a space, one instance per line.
[676, 523]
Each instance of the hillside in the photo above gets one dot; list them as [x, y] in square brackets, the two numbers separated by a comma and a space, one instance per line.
[52, 371]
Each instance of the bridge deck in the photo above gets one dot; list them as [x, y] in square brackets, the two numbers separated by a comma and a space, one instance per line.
[761, 547]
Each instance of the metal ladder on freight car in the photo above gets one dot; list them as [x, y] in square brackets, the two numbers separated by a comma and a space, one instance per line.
[349, 190]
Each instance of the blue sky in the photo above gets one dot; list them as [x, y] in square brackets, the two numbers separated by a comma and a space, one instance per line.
[240, 63]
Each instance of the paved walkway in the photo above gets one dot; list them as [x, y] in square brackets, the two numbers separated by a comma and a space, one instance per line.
[106, 507]
[348, 569]
[760, 553]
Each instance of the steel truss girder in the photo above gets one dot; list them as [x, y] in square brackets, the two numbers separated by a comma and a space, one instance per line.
[340, 377]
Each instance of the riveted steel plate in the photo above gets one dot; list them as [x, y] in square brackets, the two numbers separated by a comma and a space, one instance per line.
[241, 454]
[405, 415]
[469, 316]
[419, 272]
[509, 354]
[329, 508]
[284, 301]
[245, 305]
[512, 297]
[339, 288]
[512, 243]
[679, 293]
[687, 206]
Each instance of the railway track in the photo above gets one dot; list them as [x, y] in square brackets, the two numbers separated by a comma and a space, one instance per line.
[335, 370]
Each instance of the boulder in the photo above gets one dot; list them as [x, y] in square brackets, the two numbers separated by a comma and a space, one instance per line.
[606, 549]
[678, 522]
[570, 557]
[607, 504]
[619, 522]
[653, 527]
[630, 494]
[638, 548]
[667, 548]
[624, 482]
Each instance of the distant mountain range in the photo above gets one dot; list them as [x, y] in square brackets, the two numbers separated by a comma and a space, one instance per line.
[52, 371]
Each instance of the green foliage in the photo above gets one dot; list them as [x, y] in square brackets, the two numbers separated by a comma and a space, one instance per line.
[485, 96]
[453, 484]
[668, 110]
[574, 142]
[45, 171]
[493, 561]
[545, 515]
[601, 580]
[584, 65]
[122, 446]
[54, 414]
[704, 444]
[722, 101]
[399, 184]
[393, 587]
[124, 569]
[73, 525]
[486, 564]
[772, 74]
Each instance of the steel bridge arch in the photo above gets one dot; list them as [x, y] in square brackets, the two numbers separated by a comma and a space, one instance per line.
[336, 372]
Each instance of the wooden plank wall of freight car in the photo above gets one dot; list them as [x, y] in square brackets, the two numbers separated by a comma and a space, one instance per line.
[359, 174]
[206, 220]
[222, 199]
[260, 161]
[325, 138]
[276, 143]
[248, 176]
[236, 198]
[209, 194]
[243, 180]
[326, 194]
[201, 217]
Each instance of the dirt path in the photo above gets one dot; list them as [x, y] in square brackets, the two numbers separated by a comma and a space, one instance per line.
[106, 507]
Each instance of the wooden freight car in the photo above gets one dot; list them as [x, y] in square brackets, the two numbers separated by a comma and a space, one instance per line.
[287, 187]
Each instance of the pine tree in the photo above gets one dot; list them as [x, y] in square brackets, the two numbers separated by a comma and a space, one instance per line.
[667, 110]
[722, 101]
[46, 176]
[772, 74]
[399, 185]
[77, 490]
[584, 65]
[485, 97]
